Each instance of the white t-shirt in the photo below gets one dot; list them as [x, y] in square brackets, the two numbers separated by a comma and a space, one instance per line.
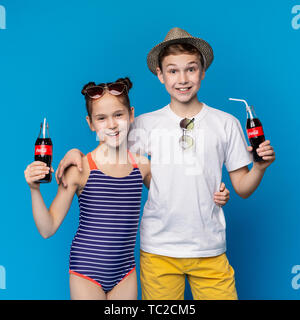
[180, 218]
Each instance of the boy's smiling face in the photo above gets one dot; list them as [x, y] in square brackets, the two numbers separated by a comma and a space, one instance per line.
[182, 75]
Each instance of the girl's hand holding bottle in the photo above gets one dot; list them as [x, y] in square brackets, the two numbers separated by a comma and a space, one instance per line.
[36, 171]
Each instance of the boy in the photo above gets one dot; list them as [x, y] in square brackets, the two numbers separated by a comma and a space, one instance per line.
[182, 230]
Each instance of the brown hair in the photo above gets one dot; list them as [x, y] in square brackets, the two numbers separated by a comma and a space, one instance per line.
[176, 49]
[123, 97]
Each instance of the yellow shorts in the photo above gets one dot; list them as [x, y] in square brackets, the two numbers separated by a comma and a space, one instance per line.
[163, 278]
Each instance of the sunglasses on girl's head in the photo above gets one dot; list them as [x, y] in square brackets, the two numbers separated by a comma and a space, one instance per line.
[96, 92]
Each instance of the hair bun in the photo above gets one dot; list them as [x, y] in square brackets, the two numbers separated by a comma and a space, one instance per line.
[87, 86]
[126, 81]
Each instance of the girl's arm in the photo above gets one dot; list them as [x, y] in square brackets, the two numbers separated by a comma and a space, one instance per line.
[49, 220]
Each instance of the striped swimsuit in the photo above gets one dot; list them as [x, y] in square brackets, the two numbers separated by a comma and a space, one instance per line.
[102, 250]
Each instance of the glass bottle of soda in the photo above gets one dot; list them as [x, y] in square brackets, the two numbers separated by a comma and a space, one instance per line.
[43, 150]
[255, 133]
[254, 130]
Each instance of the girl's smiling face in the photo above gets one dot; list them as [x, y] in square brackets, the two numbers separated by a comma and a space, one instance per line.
[111, 119]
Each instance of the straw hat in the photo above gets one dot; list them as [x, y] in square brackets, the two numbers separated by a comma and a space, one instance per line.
[177, 35]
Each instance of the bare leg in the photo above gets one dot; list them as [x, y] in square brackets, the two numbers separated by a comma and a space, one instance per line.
[126, 289]
[83, 289]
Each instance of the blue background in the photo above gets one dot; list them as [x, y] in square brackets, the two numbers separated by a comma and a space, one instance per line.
[50, 49]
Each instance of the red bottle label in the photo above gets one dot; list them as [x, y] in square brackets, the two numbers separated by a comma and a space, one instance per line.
[255, 132]
[43, 150]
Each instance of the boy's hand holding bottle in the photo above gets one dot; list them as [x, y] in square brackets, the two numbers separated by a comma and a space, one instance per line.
[266, 151]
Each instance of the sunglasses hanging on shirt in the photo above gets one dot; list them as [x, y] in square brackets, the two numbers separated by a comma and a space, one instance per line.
[186, 141]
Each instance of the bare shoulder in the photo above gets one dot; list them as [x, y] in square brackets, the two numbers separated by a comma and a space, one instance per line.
[143, 163]
[141, 159]
[76, 177]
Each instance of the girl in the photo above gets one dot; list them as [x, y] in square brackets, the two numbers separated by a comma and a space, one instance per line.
[102, 264]
[109, 187]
